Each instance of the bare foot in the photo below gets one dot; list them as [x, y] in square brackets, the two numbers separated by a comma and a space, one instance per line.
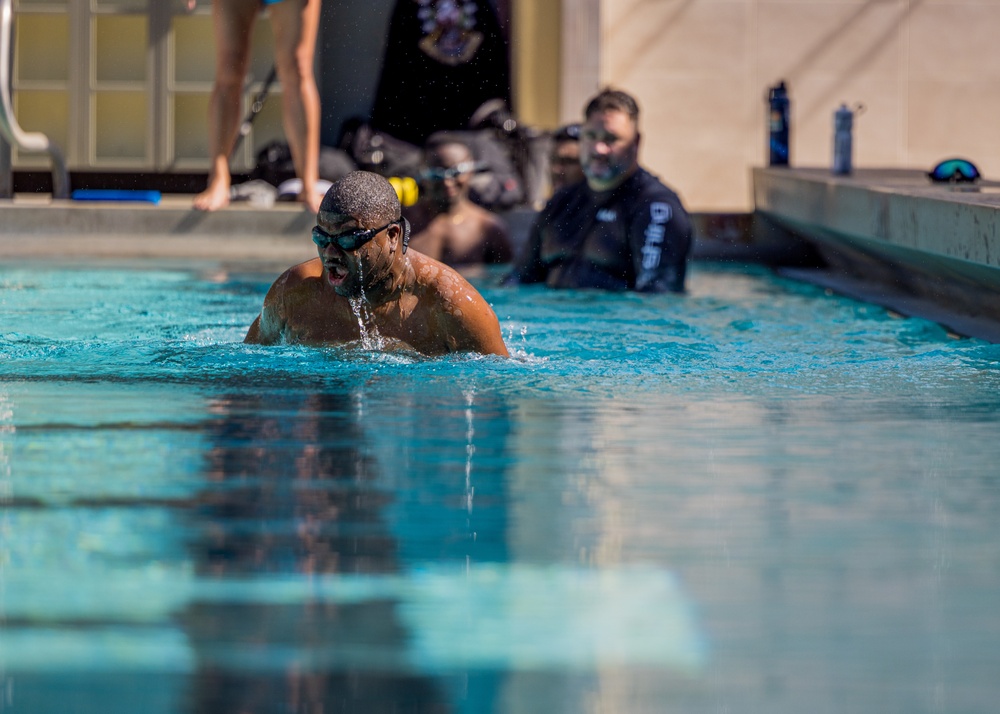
[311, 200]
[213, 198]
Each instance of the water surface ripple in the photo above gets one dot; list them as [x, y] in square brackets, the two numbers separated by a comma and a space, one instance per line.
[756, 497]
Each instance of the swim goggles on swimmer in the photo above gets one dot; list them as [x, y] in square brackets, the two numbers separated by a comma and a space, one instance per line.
[441, 174]
[346, 241]
[356, 239]
[954, 171]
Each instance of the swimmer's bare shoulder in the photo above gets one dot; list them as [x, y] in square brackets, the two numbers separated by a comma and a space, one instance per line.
[465, 320]
[296, 284]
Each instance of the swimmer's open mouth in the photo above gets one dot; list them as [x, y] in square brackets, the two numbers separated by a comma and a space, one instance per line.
[337, 272]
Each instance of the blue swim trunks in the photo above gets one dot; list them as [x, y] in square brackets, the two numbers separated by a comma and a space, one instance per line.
[270, 2]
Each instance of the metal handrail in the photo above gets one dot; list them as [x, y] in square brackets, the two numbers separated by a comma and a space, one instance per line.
[27, 141]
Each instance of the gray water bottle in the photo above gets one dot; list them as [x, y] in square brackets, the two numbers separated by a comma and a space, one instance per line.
[843, 125]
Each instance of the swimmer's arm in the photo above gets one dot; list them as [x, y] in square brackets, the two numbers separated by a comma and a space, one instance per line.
[253, 334]
[265, 330]
[269, 324]
[476, 330]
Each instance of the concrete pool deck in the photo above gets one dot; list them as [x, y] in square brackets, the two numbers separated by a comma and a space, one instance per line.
[893, 237]
[40, 227]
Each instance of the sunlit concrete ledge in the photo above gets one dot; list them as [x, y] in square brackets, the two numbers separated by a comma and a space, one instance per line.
[172, 216]
[38, 227]
[894, 238]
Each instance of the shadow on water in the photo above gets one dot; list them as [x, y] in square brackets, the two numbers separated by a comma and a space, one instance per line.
[295, 488]
[314, 485]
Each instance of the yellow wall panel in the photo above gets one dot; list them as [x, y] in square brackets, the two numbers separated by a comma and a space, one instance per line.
[42, 47]
[120, 120]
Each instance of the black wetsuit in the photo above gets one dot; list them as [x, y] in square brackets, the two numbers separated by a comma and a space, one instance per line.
[636, 237]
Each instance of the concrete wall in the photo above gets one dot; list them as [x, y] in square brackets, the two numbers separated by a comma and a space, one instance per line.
[928, 72]
[535, 62]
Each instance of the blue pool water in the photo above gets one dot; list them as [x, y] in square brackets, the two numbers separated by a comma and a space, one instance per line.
[754, 498]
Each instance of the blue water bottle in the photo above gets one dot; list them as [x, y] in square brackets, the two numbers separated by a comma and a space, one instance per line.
[778, 111]
[843, 126]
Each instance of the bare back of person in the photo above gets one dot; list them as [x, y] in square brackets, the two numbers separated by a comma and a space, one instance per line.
[465, 235]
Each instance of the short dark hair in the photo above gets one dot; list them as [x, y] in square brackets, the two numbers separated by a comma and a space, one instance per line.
[445, 138]
[364, 196]
[613, 99]
[567, 132]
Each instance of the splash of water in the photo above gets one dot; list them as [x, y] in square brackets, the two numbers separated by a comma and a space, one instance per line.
[470, 447]
[371, 338]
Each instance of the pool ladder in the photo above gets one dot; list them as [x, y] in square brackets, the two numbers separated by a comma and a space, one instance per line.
[12, 132]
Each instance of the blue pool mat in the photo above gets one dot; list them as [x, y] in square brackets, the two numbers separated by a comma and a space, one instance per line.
[104, 194]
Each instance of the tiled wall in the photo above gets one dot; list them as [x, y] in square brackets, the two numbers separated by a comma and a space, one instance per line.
[927, 71]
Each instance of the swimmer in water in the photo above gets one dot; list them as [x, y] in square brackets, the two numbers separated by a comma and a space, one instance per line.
[364, 274]
[448, 226]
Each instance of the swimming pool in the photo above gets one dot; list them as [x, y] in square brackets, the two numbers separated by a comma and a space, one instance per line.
[754, 498]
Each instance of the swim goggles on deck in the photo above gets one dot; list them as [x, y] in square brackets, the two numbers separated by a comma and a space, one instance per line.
[346, 241]
[441, 174]
[954, 171]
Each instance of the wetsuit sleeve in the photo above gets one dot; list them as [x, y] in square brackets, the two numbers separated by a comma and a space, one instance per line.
[660, 237]
[528, 267]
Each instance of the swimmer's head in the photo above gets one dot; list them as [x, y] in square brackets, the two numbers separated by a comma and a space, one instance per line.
[449, 167]
[366, 197]
[366, 201]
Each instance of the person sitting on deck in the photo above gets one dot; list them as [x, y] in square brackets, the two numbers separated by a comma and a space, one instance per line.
[447, 225]
[621, 229]
[365, 287]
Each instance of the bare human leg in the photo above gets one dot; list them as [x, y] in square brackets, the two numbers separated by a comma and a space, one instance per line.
[232, 21]
[295, 23]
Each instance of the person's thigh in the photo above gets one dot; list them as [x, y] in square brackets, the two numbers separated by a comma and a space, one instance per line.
[294, 24]
[233, 22]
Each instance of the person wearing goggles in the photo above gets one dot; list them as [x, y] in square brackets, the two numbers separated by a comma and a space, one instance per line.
[447, 225]
[365, 284]
[564, 160]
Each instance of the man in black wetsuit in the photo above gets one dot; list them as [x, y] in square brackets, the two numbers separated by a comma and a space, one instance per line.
[621, 229]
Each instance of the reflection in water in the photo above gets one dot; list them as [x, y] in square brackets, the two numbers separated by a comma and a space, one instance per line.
[294, 491]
